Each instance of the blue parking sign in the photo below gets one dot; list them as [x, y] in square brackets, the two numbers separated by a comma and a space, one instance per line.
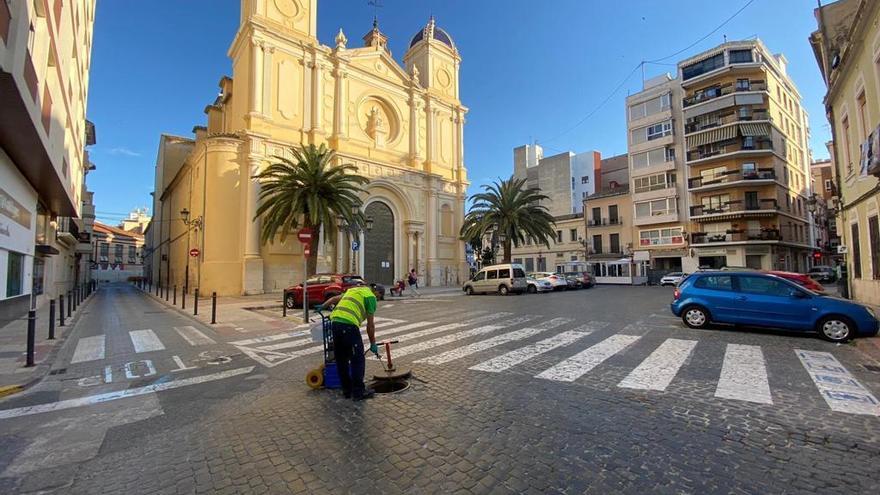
[355, 245]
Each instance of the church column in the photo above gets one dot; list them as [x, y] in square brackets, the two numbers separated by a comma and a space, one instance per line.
[317, 81]
[252, 265]
[413, 129]
[307, 97]
[256, 76]
[339, 103]
[267, 80]
[431, 234]
[459, 155]
[429, 138]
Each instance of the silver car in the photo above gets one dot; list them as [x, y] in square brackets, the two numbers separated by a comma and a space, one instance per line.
[672, 278]
[502, 279]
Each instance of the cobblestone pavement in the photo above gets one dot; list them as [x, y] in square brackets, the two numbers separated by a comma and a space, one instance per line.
[596, 391]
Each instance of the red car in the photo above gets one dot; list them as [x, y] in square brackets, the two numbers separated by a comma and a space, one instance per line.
[800, 279]
[323, 286]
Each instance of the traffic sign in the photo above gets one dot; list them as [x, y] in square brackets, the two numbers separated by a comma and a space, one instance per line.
[355, 245]
[307, 251]
[304, 235]
[194, 252]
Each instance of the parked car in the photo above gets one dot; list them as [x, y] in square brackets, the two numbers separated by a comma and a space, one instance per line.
[323, 286]
[584, 279]
[502, 279]
[559, 282]
[799, 278]
[765, 300]
[823, 273]
[536, 285]
[672, 278]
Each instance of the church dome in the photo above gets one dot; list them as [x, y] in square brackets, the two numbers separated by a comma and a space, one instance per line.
[432, 31]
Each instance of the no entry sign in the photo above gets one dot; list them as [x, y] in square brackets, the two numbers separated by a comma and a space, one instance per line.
[194, 252]
[304, 235]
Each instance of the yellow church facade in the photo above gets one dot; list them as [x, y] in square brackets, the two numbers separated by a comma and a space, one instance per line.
[401, 126]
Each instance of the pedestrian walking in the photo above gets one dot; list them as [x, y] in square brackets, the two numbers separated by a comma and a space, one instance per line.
[413, 281]
[350, 310]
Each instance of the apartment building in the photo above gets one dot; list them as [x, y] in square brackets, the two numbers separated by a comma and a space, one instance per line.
[45, 54]
[847, 49]
[747, 159]
[117, 255]
[824, 200]
[658, 182]
[566, 177]
[609, 236]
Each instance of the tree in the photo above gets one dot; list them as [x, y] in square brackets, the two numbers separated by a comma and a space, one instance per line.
[508, 210]
[487, 256]
[308, 191]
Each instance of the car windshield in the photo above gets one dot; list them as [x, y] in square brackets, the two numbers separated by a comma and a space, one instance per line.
[674, 274]
[352, 279]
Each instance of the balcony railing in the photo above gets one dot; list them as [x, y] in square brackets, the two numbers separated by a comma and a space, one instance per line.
[727, 119]
[718, 91]
[601, 222]
[734, 206]
[731, 176]
[729, 148]
[736, 235]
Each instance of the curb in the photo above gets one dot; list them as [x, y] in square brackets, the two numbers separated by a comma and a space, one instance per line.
[42, 369]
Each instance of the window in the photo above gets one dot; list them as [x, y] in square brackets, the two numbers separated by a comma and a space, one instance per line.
[597, 244]
[748, 143]
[597, 216]
[749, 170]
[715, 282]
[530, 265]
[585, 179]
[14, 274]
[661, 237]
[655, 208]
[651, 183]
[519, 273]
[132, 254]
[751, 200]
[445, 220]
[874, 241]
[504, 273]
[861, 102]
[650, 107]
[652, 157]
[740, 56]
[118, 253]
[558, 236]
[37, 279]
[614, 241]
[743, 85]
[492, 275]
[572, 183]
[764, 286]
[659, 130]
[612, 214]
[480, 276]
[696, 69]
[846, 143]
[715, 202]
[572, 235]
[105, 251]
[856, 251]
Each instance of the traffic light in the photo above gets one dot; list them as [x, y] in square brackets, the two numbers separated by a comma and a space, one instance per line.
[817, 255]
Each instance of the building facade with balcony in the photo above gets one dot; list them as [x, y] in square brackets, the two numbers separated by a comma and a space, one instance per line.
[45, 54]
[609, 239]
[746, 159]
[847, 49]
[657, 178]
[117, 255]
[826, 236]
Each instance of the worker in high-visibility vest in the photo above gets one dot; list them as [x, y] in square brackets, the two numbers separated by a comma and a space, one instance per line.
[350, 310]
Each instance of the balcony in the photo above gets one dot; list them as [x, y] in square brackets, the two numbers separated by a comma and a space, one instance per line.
[731, 177]
[657, 217]
[736, 235]
[736, 206]
[67, 231]
[712, 92]
[729, 118]
[729, 149]
[604, 222]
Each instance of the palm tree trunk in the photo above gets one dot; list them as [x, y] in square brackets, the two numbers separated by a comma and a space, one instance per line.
[312, 263]
[507, 248]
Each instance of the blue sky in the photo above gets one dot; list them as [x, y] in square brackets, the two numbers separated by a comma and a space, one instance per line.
[527, 74]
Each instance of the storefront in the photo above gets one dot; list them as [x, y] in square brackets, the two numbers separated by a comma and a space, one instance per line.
[624, 271]
[17, 216]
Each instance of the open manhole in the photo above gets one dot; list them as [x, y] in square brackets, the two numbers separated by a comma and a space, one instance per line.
[871, 367]
[389, 386]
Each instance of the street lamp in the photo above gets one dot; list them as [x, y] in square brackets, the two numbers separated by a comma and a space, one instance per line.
[195, 223]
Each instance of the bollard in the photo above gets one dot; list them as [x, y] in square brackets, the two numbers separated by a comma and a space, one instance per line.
[183, 298]
[61, 310]
[166, 293]
[284, 303]
[69, 304]
[174, 299]
[196, 302]
[31, 337]
[213, 308]
[52, 319]
[73, 299]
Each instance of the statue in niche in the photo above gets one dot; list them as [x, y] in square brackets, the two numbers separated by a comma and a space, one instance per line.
[415, 74]
[376, 127]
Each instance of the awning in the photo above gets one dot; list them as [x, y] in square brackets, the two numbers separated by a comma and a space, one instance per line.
[711, 136]
[754, 129]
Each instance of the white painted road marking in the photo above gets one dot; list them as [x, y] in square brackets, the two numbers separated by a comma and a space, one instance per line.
[180, 365]
[145, 341]
[193, 336]
[512, 358]
[121, 394]
[658, 369]
[838, 387]
[270, 338]
[476, 347]
[583, 362]
[448, 339]
[744, 375]
[302, 342]
[88, 349]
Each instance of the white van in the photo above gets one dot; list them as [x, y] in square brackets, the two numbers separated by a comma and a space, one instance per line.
[502, 279]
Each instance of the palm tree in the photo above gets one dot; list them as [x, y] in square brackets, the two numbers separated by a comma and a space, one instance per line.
[510, 212]
[308, 191]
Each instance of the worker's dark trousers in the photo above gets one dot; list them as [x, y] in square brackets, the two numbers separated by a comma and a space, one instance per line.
[349, 351]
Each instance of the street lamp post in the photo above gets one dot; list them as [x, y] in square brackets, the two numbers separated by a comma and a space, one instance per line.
[354, 230]
[195, 223]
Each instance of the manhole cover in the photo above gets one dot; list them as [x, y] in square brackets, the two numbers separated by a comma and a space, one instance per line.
[389, 386]
[872, 367]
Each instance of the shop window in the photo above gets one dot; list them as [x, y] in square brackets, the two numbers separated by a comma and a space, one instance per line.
[14, 274]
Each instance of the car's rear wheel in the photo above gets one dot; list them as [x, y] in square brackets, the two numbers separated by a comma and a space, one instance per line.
[695, 317]
[469, 290]
[291, 302]
[532, 289]
[503, 290]
[836, 328]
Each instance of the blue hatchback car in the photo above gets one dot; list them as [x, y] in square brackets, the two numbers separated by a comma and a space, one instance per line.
[759, 299]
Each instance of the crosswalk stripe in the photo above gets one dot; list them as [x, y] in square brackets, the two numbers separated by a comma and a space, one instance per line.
[517, 356]
[145, 341]
[448, 339]
[193, 336]
[302, 342]
[841, 391]
[89, 349]
[744, 375]
[476, 347]
[657, 370]
[583, 362]
[270, 338]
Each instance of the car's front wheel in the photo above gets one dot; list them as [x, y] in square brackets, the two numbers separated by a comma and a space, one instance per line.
[695, 317]
[291, 303]
[835, 328]
[469, 290]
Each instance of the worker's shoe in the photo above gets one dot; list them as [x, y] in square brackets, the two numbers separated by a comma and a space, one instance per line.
[368, 394]
[346, 394]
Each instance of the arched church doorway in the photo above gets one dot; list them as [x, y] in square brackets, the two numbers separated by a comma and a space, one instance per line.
[379, 244]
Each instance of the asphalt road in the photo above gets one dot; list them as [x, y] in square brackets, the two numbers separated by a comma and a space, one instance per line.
[596, 391]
